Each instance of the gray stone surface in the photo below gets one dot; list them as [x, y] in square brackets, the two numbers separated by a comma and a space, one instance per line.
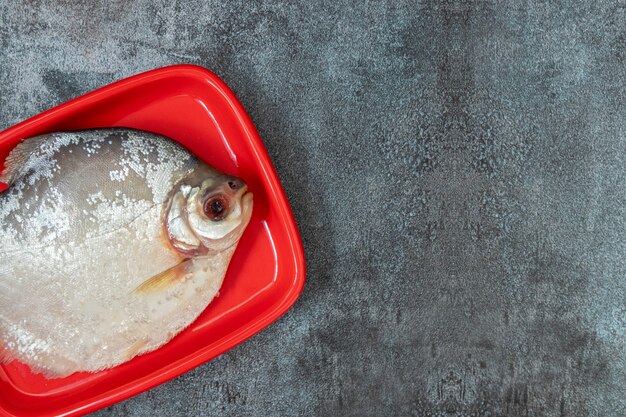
[457, 170]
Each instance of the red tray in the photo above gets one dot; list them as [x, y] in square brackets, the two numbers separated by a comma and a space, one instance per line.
[193, 106]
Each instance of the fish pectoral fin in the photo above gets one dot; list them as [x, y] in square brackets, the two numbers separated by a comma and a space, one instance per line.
[165, 279]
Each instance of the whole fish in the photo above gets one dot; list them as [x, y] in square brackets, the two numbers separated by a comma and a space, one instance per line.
[112, 241]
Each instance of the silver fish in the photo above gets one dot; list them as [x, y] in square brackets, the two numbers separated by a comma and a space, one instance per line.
[112, 241]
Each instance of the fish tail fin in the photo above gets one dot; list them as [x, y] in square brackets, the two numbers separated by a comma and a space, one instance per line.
[6, 357]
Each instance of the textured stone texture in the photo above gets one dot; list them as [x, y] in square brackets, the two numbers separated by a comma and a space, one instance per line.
[457, 170]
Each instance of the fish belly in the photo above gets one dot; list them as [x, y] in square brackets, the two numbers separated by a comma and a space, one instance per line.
[65, 305]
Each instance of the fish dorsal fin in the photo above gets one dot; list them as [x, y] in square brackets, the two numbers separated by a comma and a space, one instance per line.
[18, 158]
[165, 279]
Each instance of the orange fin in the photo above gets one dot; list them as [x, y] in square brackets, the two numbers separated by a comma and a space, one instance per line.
[165, 279]
[136, 347]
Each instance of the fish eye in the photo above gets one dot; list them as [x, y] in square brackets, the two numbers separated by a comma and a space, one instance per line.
[215, 208]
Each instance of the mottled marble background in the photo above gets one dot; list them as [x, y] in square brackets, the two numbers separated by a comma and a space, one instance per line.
[458, 173]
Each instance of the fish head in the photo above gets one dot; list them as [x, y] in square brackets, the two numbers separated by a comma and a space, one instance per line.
[208, 211]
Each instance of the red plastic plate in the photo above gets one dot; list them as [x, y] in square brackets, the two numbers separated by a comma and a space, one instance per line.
[266, 275]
